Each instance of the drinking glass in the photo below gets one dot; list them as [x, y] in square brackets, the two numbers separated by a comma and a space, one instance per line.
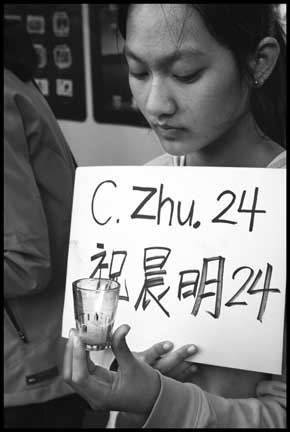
[95, 305]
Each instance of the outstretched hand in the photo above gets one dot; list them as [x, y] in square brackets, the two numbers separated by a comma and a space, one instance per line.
[134, 387]
[170, 363]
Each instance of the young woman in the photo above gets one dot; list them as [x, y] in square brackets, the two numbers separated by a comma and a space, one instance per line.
[210, 80]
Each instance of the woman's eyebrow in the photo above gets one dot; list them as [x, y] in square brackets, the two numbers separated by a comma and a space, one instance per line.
[169, 58]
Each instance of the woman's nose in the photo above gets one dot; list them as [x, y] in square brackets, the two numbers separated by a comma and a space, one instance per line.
[159, 100]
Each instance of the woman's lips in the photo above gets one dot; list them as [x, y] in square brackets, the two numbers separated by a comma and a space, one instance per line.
[169, 132]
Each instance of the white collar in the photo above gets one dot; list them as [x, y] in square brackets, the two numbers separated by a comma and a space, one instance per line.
[179, 160]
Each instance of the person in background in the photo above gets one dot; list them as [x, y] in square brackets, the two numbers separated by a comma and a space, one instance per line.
[210, 80]
[38, 189]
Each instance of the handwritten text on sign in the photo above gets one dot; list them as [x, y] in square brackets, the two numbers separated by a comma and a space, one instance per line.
[199, 252]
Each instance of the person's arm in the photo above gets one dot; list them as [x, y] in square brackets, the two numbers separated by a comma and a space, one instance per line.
[194, 408]
[183, 405]
[26, 241]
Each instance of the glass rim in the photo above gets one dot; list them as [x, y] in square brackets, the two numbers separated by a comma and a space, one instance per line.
[118, 285]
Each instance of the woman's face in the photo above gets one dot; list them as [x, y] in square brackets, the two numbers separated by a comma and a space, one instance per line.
[185, 83]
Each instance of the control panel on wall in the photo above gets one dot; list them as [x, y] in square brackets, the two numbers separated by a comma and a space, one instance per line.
[57, 36]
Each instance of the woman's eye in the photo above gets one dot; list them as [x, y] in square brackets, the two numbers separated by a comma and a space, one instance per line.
[188, 78]
[138, 75]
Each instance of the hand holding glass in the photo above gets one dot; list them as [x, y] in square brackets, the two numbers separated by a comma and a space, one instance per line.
[95, 305]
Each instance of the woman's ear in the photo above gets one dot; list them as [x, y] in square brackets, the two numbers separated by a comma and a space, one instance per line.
[264, 60]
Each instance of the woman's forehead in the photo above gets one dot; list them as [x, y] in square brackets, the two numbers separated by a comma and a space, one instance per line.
[167, 27]
[167, 18]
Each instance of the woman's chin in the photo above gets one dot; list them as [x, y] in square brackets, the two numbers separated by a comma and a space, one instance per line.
[176, 148]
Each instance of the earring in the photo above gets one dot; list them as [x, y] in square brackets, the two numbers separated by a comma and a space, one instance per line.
[258, 83]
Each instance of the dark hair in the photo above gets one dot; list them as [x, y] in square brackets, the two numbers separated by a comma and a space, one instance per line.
[20, 56]
[240, 27]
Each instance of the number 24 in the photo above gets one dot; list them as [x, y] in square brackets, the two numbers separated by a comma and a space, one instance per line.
[241, 209]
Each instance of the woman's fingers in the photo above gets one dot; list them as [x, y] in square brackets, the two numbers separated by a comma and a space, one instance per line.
[79, 362]
[67, 369]
[183, 372]
[103, 375]
[120, 348]
[67, 359]
[92, 382]
[90, 363]
[152, 354]
[173, 359]
[94, 387]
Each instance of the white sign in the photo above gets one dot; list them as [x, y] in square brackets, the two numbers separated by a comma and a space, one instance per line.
[200, 253]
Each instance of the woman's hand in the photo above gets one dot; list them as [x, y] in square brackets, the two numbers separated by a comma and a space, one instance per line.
[170, 363]
[133, 387]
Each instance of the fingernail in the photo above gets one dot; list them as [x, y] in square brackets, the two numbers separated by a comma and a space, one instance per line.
[191, 349]
[167, 345]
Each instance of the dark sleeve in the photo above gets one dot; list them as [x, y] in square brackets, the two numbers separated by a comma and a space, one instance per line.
[26, 241]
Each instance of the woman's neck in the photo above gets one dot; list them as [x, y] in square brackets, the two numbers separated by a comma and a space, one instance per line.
[245, 145]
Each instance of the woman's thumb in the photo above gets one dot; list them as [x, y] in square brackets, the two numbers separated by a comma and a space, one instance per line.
[120, 348]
